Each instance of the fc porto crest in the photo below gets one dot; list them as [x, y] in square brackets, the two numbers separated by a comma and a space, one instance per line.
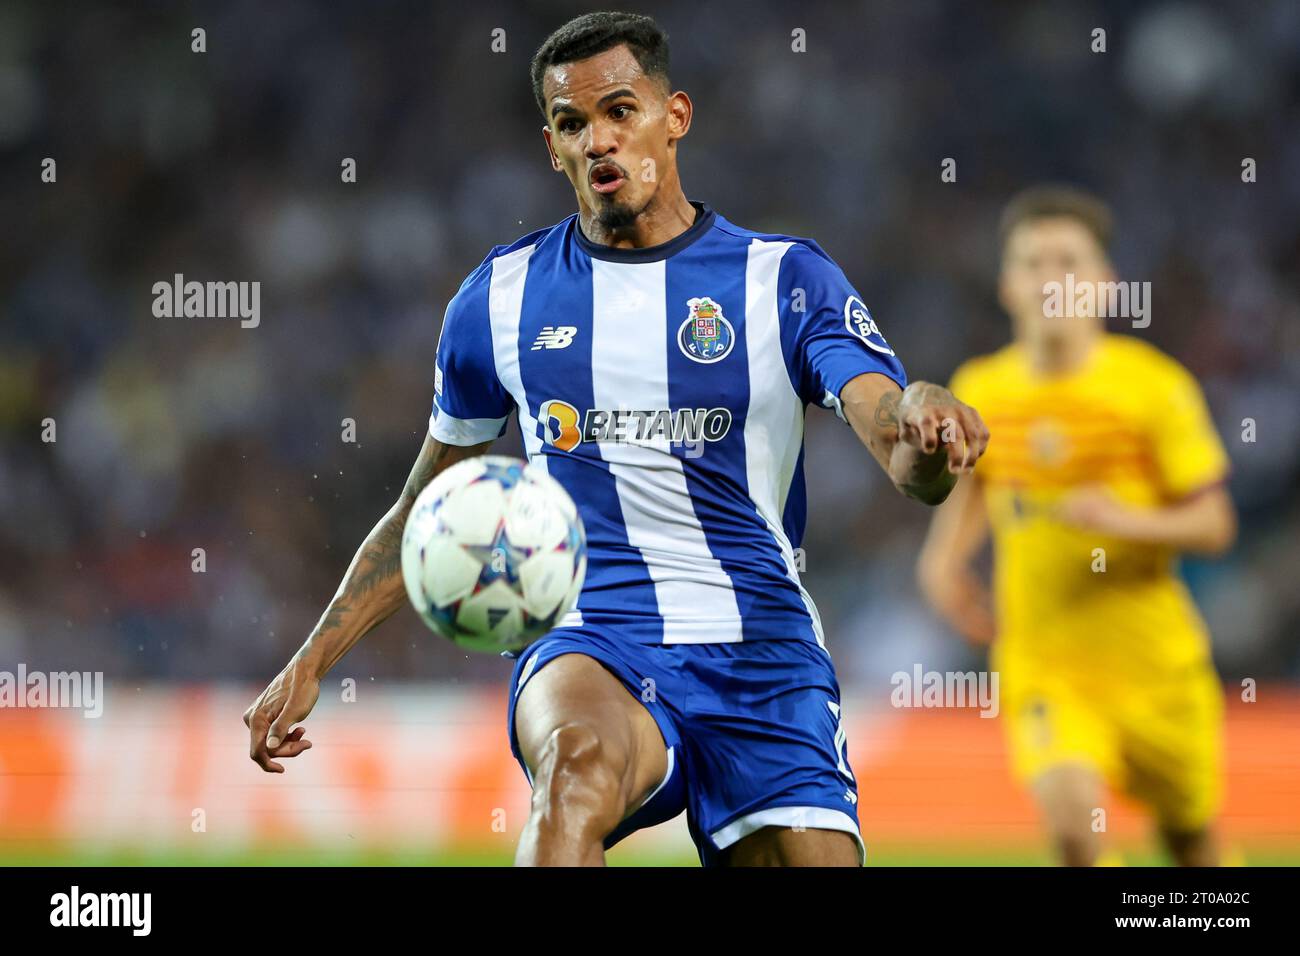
[706, 336]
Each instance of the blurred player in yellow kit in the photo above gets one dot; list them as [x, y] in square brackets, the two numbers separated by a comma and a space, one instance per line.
[1103, 465]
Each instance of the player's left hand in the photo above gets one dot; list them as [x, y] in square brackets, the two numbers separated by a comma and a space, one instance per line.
[1094, 508]
[930, 417]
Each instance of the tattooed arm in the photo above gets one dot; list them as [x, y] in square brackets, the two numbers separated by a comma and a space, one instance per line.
[372, 587]
[370, 592]
[923, 436]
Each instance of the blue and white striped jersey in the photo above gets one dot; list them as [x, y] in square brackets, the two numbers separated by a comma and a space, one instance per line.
[665, 388]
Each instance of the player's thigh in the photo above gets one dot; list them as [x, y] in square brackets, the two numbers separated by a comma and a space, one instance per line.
[1065, 745]
[1173, 750]
[575, 693]
[787, 846]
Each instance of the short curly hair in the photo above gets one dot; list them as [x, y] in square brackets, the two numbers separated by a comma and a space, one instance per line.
[593, 33]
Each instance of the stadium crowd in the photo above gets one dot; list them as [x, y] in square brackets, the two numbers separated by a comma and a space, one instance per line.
[176, 434]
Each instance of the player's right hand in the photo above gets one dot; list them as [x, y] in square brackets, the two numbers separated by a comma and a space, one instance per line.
[287, 699]
[931, 419]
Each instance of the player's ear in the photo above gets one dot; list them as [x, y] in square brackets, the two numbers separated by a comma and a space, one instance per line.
[550, 150]
[680, 110]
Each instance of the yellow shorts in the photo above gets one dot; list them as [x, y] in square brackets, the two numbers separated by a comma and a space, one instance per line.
[1158, 739]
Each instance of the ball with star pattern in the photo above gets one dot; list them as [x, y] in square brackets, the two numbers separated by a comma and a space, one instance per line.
[493, 554]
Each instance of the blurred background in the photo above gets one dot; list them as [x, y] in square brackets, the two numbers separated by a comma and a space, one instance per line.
[176, 434]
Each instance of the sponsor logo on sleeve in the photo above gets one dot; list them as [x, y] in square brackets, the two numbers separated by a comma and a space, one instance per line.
[860, 323]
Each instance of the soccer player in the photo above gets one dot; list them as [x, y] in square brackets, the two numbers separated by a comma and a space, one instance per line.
[1105, 466]
[658, 359]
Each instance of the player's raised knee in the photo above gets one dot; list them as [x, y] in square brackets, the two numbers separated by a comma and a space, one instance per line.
[578, 771]
[573, 745]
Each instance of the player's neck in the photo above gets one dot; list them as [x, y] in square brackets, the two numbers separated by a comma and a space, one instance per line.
[666, 217]
[1053, 356]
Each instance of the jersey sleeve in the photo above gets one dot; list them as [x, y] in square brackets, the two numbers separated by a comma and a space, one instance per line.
[470, 405]
[1188, 453]
[829, 335]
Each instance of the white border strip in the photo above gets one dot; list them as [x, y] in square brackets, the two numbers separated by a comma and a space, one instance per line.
[811, 818]
[774, 422]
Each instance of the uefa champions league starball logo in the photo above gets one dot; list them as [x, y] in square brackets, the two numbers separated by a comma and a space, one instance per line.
[706, 336]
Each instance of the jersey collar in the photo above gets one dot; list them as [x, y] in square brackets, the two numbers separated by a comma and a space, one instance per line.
[704, 216]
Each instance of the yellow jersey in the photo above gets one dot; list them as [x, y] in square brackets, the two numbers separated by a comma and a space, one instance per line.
[1130, 419]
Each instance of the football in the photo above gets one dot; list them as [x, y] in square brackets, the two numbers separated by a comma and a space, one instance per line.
[493, 554]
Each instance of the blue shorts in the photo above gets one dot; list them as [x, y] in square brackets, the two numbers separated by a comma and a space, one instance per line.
[753, 731]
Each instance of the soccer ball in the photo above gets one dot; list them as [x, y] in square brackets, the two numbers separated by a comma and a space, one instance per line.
[493, 554]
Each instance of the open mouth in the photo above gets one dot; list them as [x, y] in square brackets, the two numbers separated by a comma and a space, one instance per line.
[606, 178]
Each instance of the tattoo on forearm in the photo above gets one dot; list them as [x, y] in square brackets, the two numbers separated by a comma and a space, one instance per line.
[423, 471]
[333, 617]
[380, 560]
[378, 563]
[887, 409]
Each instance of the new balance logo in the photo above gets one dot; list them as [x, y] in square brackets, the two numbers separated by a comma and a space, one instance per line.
[555, 337]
